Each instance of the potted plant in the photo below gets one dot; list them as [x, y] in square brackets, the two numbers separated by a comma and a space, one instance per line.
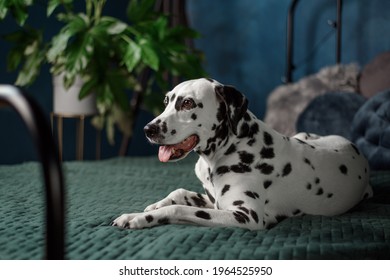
[107, 54]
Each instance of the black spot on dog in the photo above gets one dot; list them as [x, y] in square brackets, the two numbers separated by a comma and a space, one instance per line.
[200, 105]
[355, 148]
[329, 195]
[158, 121]
[187, 202]
[308, 162]
[238, 203]
[360, 177]
[163, 221]
[343, 169]
[244, 131]
[173, 97]
[296, 212]
[225, 189]
[241, 217]
[164, 127]
[255, 217]
[265, 168]
[173, 132]
[243, 209]
[268, 140]
[214, 127]
[317, 181]
[173, 202]
[221, 113]
[240, 168]
[210, 80]
[203, 215]
[212, 199]
[194, 116]
[223, 170]
[308, 186]
[246, 157]
[199, 200]
[178, 103]
[320, 191]
[247, 117]
[267, 184]
[254, 129]
[253, 195]
[267, 153]
[286, 169]
[149, 218]
[251, 142]
[230, 150]
[266, 201]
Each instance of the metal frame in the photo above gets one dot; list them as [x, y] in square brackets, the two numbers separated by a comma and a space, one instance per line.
[290, 67]
[40, 131]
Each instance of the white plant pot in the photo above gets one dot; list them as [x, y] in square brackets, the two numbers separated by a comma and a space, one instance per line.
[67, 102]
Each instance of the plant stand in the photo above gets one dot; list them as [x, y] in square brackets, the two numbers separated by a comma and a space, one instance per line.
[79, 134]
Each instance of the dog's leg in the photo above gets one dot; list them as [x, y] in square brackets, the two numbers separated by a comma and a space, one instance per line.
[182, 197]
[182, 214]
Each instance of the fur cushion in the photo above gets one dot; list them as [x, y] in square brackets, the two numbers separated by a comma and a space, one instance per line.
[287, 102]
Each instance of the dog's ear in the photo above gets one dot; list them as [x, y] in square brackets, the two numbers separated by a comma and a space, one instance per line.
[235, 104]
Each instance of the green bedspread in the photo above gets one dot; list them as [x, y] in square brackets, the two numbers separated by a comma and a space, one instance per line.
[99, 191]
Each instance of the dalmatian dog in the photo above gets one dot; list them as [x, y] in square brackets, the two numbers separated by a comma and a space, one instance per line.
[253, 177]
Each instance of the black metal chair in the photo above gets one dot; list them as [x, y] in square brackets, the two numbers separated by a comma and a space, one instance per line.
[40, 131]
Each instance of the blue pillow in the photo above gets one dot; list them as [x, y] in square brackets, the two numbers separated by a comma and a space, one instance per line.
[371, 130]
[330, 114]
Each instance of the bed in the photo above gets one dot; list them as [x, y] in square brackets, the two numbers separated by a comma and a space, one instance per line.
[59, 210]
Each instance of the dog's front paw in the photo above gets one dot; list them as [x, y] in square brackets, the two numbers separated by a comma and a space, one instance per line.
[130, 221]
[162, 203]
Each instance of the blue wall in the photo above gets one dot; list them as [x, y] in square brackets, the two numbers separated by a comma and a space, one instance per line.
[244, 40]
[244, 43]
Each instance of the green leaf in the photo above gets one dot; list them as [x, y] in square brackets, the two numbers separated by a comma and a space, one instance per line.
[31, 69]
[116, 28]
[117, 86]
[79, 53]
[51, 6]
[88, 87]
[132, 56]
[149, 55]
[3, 9]
[140, 10]
[58, 45]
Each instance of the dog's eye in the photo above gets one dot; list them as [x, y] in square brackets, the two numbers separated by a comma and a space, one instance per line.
[188, 104]
[166, 101]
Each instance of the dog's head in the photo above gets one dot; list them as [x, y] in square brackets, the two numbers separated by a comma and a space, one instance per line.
[198, 114]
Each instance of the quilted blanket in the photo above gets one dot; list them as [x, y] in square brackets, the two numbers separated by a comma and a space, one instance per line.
[99, 191]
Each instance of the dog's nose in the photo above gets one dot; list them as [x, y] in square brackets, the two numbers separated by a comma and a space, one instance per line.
[151, 130]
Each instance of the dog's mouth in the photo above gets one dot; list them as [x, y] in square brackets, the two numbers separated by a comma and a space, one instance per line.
[178, 151]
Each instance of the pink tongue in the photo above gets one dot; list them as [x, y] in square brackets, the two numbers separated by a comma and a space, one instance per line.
[164, 153]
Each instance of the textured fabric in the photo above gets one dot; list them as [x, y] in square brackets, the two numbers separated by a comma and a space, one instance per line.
[97, 192]
[370, 130]
[331, 113]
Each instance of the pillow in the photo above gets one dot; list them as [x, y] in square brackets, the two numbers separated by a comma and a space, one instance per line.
[331, 113]
[375, 75]
[371, 130]
[287, 102]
